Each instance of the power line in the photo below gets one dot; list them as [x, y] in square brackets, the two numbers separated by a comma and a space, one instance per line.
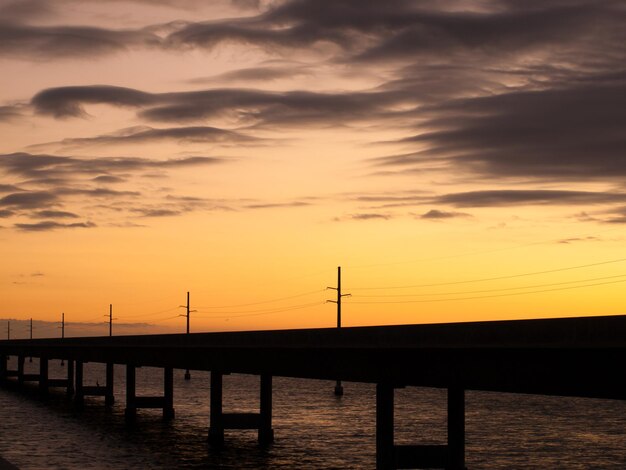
[472, 253]
[494, 290]
[165, 319]
[152, 313]
[267, 301]
[494, 278]
[488, 296]
[262, 312]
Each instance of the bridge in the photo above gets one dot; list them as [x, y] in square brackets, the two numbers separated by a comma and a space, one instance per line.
[581, 357]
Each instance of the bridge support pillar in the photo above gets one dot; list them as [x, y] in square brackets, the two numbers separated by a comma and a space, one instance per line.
[216, 419]
[79, 395]
[43, 375]
[168, 393]
[131, 406]
[456, 428]
[81, 390]
[133, 402]
[266, 433]
[70, 378]
[219, 421]
[384, 427]
[391, 457]
[20, 370]
[109, 397]
[3, 369]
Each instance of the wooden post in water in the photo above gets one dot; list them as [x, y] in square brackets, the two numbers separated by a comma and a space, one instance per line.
[131, 407]
[266, 433]
[216, 419]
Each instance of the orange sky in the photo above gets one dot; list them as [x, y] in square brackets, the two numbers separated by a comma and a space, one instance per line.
[461, 160]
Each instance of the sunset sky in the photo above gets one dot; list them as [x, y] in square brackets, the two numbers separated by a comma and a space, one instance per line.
[460, 159]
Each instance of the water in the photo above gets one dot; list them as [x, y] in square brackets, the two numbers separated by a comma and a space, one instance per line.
[313, 428]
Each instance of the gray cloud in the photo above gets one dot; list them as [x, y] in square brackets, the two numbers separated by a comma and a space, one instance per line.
[52, 166]
[399, 29]
[25, 9]
[504, 198]
[147, 212]
[8, 188]
[261, 73]
[248, 106]
[563, 134]
[9, 113]
[81, 183]
[363, 216]
[52, 214]
[108, 179]
[144, 134]
[44, 42]
[68, 101]
[507, 28]
[436, 214]
[567, 241]
[29, 200]
[277, 205]
[49, 225]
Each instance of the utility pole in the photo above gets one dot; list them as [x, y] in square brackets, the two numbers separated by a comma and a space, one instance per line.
[30, 359]
[63, 333]
[110, 367]
[187, 374]
[338, 386]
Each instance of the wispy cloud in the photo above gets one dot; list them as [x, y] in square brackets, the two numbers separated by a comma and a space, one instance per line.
[52, 214]
[436, 214]
[246, 106]
[21, 40]
[363, 216]
[276, 205]
[49, 225]
[146, 135]
[82, 183]
[29, 165]
[29, 200]
[505, 198]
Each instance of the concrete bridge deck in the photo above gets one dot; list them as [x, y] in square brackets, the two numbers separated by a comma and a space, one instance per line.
[569, 356]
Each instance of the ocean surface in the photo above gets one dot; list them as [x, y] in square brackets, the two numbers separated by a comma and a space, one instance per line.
[313, 428]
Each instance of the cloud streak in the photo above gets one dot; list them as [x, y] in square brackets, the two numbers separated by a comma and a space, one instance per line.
[83, 184]
[49, 225]
[41, 42]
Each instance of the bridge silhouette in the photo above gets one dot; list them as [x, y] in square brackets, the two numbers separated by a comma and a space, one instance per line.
[581, 357]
